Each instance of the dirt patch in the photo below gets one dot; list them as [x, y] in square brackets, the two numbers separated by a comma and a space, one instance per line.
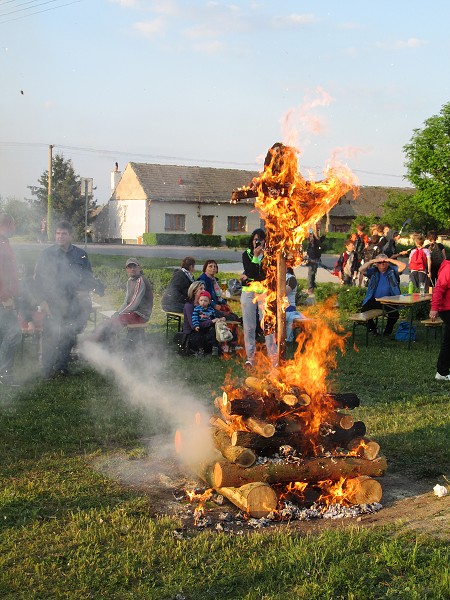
[405, 501]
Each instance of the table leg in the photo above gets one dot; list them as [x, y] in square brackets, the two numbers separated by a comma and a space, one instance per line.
[383, 308]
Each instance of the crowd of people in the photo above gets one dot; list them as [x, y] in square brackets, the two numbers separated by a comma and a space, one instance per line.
[58, 296]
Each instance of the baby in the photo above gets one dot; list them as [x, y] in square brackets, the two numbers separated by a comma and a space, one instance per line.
[204, 314]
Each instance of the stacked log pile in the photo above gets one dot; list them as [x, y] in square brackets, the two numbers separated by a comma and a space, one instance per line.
[263, 434]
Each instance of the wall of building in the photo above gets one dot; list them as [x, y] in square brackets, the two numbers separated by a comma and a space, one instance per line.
[126, 220]
[194, 213]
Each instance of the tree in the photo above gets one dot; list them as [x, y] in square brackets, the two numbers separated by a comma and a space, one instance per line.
[25, 215]
[68, 202]
[428, 166]
[401, 206]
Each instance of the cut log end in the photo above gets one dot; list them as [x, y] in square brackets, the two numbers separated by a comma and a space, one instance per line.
[363, 490]
[256, 499]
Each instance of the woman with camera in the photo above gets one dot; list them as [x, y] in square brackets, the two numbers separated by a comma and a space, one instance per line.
[253, 297]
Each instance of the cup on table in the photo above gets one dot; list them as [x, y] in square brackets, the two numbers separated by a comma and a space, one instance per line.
[223, 285]
[422, 289]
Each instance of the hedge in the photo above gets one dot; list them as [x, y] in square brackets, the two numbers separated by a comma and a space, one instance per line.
[181, 239]
[236, 241]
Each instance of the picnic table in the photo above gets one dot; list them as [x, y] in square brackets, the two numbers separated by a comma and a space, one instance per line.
[410, 301]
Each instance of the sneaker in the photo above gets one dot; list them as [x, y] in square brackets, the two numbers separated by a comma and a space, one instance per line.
[215, 351]
[440, 377]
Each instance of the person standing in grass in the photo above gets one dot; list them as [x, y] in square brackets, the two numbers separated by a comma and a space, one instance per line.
[63, 279]
[419, 262]
[10, 334]
[253, 298]
[440, 306]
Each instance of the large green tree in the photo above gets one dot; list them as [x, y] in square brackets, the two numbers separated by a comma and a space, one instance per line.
[428, 166]
[68, 201]
[402, 206]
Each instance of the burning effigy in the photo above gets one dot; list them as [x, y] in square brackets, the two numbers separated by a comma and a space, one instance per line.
[280, 433]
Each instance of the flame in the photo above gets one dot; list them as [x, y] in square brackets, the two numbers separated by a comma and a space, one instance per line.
[289, 206]
[198, 419]
[199, 510]
[337, 492]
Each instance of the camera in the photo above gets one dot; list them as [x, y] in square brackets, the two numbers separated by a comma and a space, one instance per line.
[257, 243]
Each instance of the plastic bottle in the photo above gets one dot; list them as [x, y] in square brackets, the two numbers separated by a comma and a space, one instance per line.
[410, 288]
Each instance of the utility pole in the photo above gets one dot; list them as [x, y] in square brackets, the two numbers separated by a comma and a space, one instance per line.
[49, 195]
[87, 188]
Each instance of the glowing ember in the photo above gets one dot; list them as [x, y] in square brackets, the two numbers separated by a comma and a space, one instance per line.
[198, 419]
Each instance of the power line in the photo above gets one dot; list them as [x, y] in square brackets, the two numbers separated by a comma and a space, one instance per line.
[24, 4]
[36, 12]
[143, 155]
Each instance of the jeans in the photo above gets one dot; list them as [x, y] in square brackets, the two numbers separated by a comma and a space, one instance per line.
[10, 337]
[443, 361]
[312, 270]
[249, 325]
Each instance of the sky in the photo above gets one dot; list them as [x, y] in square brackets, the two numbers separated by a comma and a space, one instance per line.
[216, 83]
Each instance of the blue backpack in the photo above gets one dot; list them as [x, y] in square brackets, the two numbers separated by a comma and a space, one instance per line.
[402, 333]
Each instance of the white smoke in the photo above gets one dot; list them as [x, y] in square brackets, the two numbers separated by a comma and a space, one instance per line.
[141, 381]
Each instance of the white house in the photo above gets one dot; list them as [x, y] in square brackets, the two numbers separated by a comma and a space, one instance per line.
[176, 199]
[179, 199]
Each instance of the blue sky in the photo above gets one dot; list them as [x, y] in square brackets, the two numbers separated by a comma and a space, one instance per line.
[215, 83]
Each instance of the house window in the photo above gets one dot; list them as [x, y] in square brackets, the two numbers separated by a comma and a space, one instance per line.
[237, 224]
[175, 222]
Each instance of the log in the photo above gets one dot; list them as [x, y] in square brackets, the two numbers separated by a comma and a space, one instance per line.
[257, 384]
[310, 470]
[364, 447]
[256, 499]
[244, 457]
[246, 407]
[220, 424]
[344, 436]
[340, 420]
[363, 490]
[347, 400]
[280, 307]
[260, 427]
[248, 439]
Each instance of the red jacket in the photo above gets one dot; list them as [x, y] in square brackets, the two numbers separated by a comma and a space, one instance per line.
[8, 271]
[441, 294]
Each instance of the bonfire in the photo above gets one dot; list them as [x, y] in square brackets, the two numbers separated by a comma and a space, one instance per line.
[281, 433]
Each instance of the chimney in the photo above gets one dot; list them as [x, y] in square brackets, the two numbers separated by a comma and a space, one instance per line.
[115, 177]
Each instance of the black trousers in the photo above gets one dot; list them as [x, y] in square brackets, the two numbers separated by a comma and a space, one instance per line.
[443, 362]
[392, 315]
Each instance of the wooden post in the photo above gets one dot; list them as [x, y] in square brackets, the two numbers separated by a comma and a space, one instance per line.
[281, 309]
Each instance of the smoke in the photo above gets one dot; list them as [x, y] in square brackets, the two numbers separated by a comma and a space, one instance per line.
[303, 119]
[170, 406]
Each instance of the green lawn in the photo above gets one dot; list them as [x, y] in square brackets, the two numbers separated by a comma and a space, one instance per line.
[68, 531]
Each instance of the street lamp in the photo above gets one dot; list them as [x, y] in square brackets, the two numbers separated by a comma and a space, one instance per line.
[86, 188]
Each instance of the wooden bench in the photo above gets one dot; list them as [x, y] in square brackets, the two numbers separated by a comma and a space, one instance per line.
[435, 325]
[173, 317]
[362, 320]
[135, 331]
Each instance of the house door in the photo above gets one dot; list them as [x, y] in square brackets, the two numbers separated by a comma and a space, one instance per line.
[208, 224]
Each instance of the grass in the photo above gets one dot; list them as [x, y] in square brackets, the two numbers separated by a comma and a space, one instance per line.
[68, 531]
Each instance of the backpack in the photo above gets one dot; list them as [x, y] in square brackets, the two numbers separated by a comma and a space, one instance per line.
[371, 252]
[418, 261]
[359, 247]
[436, 254]
[402, 333]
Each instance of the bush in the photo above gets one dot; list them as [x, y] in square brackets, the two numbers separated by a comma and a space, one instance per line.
[181, 239]
[236, 241]
[349, 299]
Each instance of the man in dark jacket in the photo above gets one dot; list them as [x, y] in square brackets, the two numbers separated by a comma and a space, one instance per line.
[383, 273]
[314, 253]
[63, 279]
